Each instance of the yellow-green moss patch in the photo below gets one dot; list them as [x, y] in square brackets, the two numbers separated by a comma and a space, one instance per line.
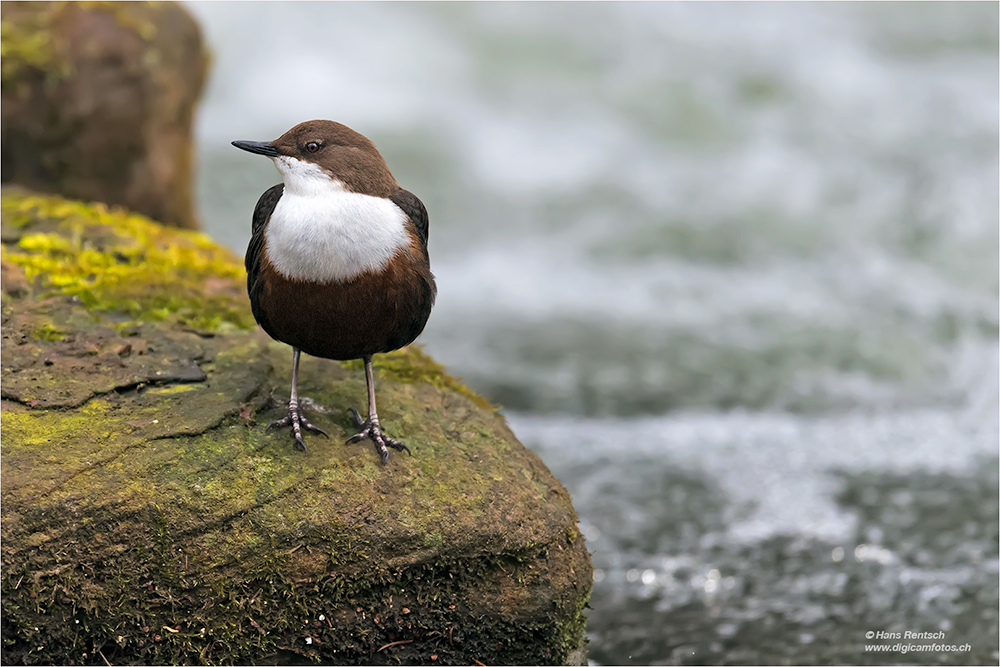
[49, 333]
[27, 45]
[115, 260]
[28, 42]
[411, 364]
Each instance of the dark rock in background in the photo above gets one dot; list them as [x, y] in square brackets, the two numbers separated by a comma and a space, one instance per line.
[98, 101]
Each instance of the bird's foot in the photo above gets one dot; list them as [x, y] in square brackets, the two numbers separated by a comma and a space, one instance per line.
[369, 428]
[297, 421]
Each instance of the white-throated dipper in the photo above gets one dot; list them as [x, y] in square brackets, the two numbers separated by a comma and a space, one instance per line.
[337, 265]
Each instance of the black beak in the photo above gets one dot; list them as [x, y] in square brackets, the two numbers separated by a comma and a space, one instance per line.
[258, 147]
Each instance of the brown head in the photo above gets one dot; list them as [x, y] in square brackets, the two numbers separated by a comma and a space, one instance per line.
[338, 151]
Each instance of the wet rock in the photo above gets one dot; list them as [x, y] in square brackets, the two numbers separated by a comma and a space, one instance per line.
[98, 100]
[149, 517]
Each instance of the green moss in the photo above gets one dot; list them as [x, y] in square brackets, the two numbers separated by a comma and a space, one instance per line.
[411, 365]
[27, 45]
[114, 260]
[571, 629]
[126, 16]
[434, 540]
[27, 42]
[49, 333]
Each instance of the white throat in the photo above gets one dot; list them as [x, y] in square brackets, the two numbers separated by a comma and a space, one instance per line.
[321, 232]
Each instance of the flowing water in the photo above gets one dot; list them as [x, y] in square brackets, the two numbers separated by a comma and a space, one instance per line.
[732, 269]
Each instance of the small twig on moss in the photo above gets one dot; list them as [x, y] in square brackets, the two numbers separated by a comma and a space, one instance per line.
[401, 641]
[105, 659]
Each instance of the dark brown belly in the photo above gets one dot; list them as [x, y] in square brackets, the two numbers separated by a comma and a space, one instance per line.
[375, 312]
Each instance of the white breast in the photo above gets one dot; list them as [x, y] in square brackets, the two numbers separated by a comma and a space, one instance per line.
[322, 233]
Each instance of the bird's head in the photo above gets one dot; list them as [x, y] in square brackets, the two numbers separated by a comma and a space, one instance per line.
[323, 154]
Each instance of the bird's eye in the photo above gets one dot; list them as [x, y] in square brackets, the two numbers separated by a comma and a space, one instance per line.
[312, 147]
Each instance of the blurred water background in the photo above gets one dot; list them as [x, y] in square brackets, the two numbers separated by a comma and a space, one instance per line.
[732, 269]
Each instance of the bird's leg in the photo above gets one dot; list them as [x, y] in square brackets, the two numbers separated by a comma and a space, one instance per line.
[295, 418]
[370, 427]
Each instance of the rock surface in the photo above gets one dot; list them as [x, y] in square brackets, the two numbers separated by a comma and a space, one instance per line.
[150, 518]
[98, 100]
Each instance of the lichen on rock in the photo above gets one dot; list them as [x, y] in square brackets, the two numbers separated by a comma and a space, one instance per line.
[149, 517]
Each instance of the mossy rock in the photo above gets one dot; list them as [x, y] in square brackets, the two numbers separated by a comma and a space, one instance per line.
[149, 516]
[98, 102]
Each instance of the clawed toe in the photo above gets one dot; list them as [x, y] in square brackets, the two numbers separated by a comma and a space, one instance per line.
[297, 421]
[369, 428]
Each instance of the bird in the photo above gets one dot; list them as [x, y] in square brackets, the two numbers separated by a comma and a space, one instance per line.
[337, 264]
